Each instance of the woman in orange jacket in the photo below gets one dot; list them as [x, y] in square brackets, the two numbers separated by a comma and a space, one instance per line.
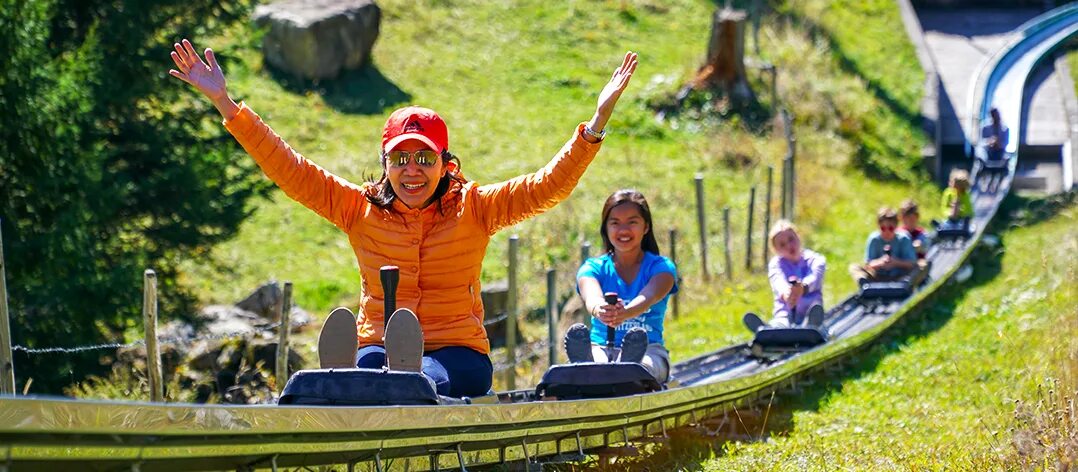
[423, 216]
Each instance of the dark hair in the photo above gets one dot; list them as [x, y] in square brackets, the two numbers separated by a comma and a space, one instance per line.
[649, 243]
[886, 214]
[383, 195]
[909, 207]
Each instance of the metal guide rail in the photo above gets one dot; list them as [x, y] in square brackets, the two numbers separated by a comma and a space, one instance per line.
[44, 433]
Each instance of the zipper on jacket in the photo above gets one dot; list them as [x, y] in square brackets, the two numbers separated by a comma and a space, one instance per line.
[471, 291]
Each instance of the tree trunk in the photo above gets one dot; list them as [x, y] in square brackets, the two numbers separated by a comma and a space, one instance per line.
[725, 67]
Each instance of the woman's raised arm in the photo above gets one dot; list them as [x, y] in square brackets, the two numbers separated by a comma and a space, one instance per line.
[610, 94]
[205, 76]
[507, 203]
[336, 199]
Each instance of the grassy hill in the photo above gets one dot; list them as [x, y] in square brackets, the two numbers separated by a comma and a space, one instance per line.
[512, 81]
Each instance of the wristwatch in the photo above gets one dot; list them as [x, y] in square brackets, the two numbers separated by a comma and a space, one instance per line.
[597, 135]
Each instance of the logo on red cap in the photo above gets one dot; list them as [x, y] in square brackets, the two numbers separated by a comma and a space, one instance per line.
[418, 123]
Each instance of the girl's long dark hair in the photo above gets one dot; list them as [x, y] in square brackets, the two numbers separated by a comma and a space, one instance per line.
[649, 243]
[383, 195]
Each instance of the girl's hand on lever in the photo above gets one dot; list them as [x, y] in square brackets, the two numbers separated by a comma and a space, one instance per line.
[611, 315]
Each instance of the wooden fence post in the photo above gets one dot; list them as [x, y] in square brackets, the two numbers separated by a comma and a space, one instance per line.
[284, 315]
[774, 88]
[552, 314]
[790, 173]
[726, 242]
[767, 216]
[701, 224]
[788, 192]
[748, 231]
[673, 259]
[7, 362]
[149, 320]
[511, 316]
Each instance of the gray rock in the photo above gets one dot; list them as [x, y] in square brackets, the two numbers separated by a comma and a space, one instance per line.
[263, 300]
[317, 39]
[260, 303]
[203, 355]
[228, 320]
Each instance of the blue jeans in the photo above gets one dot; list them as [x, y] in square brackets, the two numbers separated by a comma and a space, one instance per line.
[457, 371]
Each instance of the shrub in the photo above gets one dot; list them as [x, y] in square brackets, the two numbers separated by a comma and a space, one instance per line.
[107, 166]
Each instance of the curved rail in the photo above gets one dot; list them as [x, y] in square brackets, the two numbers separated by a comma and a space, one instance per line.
[50, 433]
[1003, 75]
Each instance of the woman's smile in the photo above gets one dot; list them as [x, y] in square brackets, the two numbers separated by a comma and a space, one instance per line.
[626, 226]
[412, 182]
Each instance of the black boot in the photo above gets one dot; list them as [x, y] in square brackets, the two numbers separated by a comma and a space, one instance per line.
[815, 316]
[578, 344]
[634, 345]
[752, 322]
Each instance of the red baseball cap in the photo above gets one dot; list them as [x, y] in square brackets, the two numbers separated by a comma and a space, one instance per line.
[421, 124]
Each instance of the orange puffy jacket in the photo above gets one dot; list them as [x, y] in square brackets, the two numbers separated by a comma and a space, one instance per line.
[440, 254]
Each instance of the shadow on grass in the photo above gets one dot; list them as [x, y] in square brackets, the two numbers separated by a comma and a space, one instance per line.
[363, 91]
[689, 448]
[873, 140]
[1025, 211]
[712, 105]
[849, 65]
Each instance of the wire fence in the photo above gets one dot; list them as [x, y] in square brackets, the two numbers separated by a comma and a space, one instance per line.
[77, 349]
[164, 341]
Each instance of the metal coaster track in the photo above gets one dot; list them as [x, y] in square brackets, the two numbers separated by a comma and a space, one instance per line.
[64, 434]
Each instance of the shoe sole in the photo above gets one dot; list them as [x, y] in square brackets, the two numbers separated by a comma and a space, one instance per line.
[404, 342]
[337, 342]
[753, 322]
[578, 348]
[633, 347]
[815, 316]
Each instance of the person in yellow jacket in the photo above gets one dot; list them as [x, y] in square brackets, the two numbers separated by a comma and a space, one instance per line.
[423, 215]
[956, 203]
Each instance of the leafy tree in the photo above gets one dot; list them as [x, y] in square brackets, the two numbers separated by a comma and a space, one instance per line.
[108, 166]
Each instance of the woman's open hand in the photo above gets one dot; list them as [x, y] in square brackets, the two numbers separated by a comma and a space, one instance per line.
[610, 94]
[204, 75]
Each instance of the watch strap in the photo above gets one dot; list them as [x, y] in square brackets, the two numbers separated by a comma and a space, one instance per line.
[597, 135]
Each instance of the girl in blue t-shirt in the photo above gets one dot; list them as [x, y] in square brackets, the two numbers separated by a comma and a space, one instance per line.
[643, 281]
